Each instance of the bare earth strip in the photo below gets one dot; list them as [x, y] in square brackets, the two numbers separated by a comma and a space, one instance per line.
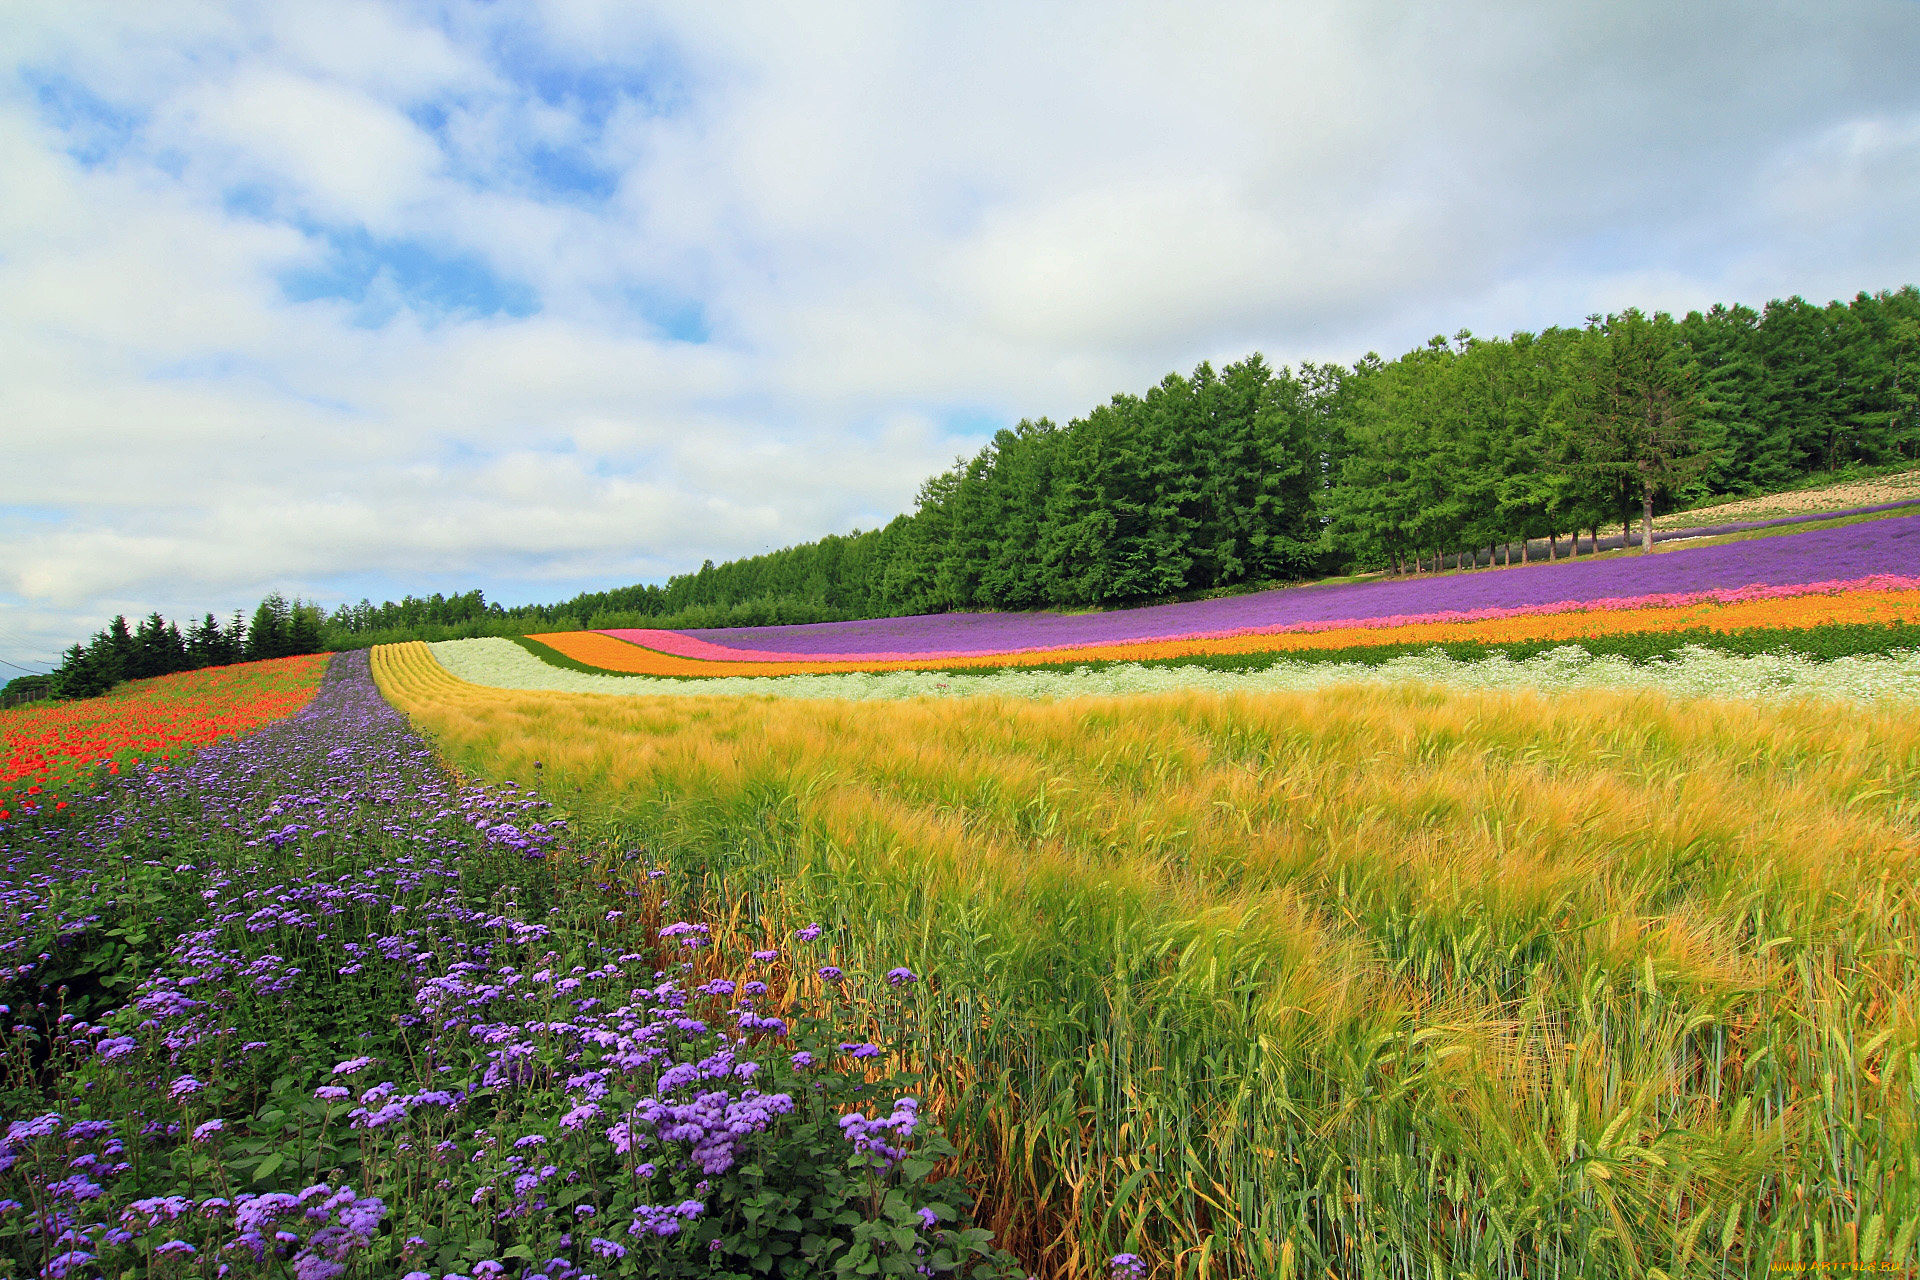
[1835, 497]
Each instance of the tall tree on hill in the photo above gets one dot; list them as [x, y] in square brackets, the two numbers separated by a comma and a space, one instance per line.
[911, 581]
[1377, 490]
[1796, 343]
[270, 633]
[1262, 477]
[1647, 436]
[1013, 576]
[1751, 446]
[1894, 321]
[207, 644]
[961, 562]
[305, 627]
[158, 649]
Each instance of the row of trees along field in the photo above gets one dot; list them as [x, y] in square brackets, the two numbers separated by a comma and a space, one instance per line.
[1251, 473]
[156, 647]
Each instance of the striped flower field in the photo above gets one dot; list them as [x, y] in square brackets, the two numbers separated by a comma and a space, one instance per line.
[1553, 921]
[1855, 576]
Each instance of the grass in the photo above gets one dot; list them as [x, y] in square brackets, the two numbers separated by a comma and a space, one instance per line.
[1367, 982]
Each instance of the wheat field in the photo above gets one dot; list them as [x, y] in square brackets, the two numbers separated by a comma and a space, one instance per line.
[1365, 981]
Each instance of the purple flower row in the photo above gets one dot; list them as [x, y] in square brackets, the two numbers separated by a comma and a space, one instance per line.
[1889, 546]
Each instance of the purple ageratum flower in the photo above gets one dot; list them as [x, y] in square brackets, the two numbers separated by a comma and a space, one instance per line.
[115, 1047]
[63, 1264]
[862, 1050]
[202, 1132]
[901, 977]
[809, 933]
[929, 1218]
[766, 955]
[21, 1131]
[877, 1138]
[832, 973]
[1128, 1266]
[182, 1086]
[331, 1093]
[352, 1066]
[802, 1060]
[663, 1219]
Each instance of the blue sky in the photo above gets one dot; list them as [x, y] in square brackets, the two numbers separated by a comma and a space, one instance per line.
[363, 298]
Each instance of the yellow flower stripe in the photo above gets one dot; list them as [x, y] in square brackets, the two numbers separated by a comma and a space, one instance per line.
[1793, 612]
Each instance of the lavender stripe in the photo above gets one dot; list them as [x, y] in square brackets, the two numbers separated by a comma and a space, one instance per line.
[1854, 551]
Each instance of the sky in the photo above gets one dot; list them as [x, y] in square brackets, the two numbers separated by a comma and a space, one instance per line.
[361, 298]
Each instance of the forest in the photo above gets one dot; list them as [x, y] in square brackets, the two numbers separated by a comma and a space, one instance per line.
[1253, 474]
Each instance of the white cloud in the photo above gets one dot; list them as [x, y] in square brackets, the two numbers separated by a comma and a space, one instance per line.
[344, 156]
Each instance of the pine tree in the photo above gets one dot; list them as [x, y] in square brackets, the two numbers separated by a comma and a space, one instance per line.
[269, 634]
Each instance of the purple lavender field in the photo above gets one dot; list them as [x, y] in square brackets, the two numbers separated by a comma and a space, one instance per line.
[309, 1006]
[1889, 546]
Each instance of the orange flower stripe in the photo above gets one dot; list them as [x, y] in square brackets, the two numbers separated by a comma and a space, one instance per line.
[1793, 612]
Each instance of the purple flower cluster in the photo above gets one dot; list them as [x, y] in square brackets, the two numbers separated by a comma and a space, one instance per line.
[883, 1139]
[1889, 546]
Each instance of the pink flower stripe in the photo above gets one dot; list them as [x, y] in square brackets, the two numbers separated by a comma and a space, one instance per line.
[686, 646]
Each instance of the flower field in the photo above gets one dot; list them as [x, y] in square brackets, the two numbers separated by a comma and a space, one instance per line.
[1883, 549]
[1871, 601]
[44, 750]
[1389, 979]
[1786, 583]
[305, 1005]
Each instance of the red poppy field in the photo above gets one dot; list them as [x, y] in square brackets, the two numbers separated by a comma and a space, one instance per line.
[46, 750]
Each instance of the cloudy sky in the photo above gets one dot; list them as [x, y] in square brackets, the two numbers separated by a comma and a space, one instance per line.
[365, 298]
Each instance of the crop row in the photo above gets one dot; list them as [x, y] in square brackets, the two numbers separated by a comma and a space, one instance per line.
[1850, 553]
[1864, 603]
[1587, 617]
[1691, 671]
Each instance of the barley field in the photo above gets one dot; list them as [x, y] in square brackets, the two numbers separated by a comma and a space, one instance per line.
[1358, 981]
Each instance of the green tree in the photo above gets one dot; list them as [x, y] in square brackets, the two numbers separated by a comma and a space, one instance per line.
[1647, 437]
[269, 635]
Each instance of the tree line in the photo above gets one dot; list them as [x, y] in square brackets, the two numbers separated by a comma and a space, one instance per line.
[123, 651]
